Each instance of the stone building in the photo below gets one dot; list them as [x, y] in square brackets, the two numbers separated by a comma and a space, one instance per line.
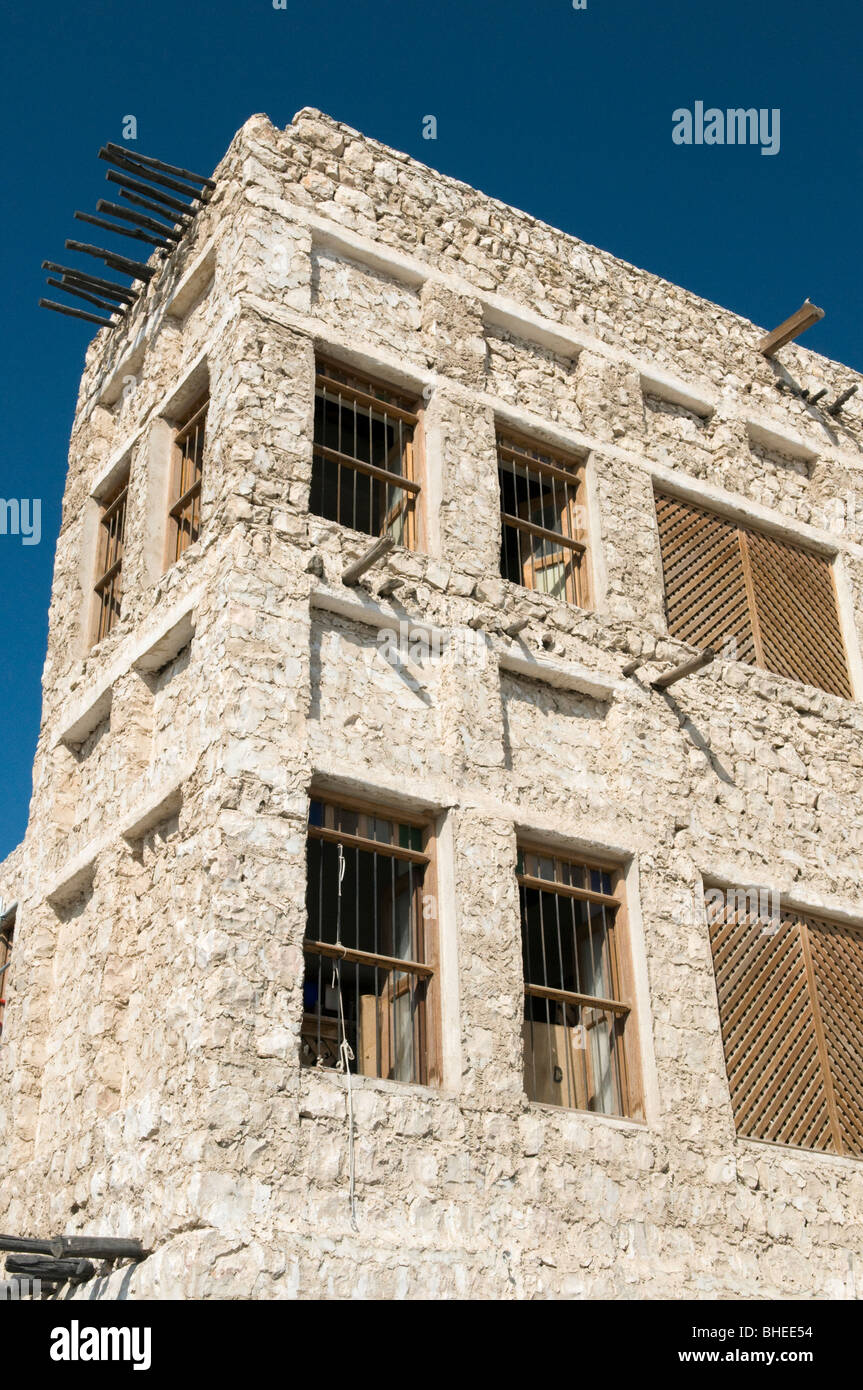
[591, 946]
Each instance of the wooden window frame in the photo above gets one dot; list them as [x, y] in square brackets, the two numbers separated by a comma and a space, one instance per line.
[621, 1004]
[108, 586]
[184, 507]
[778, 624]
[790, 1020]
[424, 969]
[334, 381]
[564, 471]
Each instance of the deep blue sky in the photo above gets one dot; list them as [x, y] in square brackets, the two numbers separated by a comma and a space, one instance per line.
[564, 113]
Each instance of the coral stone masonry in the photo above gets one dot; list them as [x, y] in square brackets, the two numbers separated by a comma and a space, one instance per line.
[388, 932]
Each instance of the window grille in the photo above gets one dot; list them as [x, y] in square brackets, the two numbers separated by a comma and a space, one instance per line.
[6, 935]
[753, 597]
[577, 1027]
[364, 472]
[188, 472]
[109, 586]
[369, 947]
[790, 993]
[543, 543]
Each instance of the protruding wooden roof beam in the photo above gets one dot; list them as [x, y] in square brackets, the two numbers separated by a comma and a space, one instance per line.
[123, 161]
[69, 288]
[159, 164]
[152, 193]
[97, 1248]
[806, 315]
[686, 668]
[835, 406]
[132, 232]
[134, 268]
[138, 219]
[75, 313]
[375, 552]
[182, 219]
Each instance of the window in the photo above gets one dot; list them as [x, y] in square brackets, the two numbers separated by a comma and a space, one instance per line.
[364, 470]
[7, 931]
[187, 474]
[790, 992]
[752, 597]
[109, 586]
[543, 542]
[579, 1033]
[370, 946]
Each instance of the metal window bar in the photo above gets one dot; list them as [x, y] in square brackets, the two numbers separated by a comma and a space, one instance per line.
[541, 541]
[574, 1019]
[362, 458]
[108, 586]
[378, 957]
[6, 940]
[185, 511]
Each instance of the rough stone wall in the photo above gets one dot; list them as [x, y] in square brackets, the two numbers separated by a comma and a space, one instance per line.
[149, 1072]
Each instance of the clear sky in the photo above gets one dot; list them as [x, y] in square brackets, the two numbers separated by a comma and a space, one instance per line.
[565, 113]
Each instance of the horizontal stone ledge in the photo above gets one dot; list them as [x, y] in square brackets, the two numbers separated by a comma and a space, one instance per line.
[532, 327]
[675, 392]
[164, 800]
[385, 260]
[169, 641]
[192, 284]
[150, 651]
[146, 812]
[562, 675]
[769, 436]
[368, 613]
[78, 722]
[74, 879]
[129, 365]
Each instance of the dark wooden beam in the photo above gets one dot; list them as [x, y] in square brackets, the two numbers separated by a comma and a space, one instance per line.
[109, 287]
[183, 219]
[134, 268]
[75, 313]
[25, 1244]
[806, 315]
[122, 231]
[57, 1271]
[835, 407]
[113, 176]
[123, 161]
[98, 1248]
[165, 168]
[138, 219]
[85, 282]
[84, 294]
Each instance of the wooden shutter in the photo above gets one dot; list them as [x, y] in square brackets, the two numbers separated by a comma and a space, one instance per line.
[795, 602]
[775, 600]
[790, 992]
[706, 596]
[837, 967]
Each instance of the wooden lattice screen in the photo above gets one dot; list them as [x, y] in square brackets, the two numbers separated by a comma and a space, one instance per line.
[755, 598]
[790, 990]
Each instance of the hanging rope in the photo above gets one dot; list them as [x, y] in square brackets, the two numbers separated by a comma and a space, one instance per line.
[346, 1052]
